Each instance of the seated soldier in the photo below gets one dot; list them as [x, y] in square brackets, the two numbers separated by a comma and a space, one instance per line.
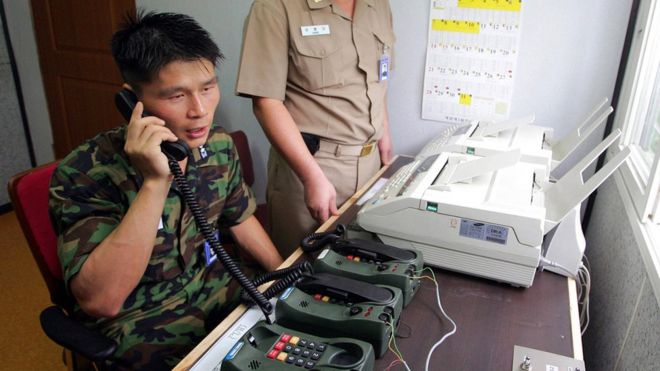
[133, 258]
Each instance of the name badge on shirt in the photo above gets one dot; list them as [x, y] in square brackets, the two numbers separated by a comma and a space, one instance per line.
[384, 67]
[209, 253]
[319, 29]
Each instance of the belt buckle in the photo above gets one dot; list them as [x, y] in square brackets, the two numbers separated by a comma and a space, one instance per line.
[366, 149]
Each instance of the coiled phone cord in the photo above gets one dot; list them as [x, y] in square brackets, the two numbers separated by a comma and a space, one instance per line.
[202, 223]
[286, 277]
[270, 276]
[316, 241]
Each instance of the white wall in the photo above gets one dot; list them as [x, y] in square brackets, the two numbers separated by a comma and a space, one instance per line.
[14, 144]
[569, 56]
[21, 32]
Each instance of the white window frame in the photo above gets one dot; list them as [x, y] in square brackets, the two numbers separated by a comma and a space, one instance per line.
[641, 181]
[638, 183]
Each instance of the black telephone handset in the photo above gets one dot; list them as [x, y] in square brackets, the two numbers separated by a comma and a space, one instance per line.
[345, 289]
[125, 100]
[372, 250]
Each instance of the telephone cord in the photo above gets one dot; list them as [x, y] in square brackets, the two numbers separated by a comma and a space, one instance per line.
[454, 327]
[316, 241]
[395, 349]
[286, 276]
[202, 223]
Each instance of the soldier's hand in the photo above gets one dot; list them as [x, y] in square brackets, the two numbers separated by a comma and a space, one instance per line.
[143, 139]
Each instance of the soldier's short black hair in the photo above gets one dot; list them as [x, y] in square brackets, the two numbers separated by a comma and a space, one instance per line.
[147, 42]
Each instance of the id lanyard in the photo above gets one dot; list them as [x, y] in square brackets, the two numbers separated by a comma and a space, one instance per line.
[384, 65]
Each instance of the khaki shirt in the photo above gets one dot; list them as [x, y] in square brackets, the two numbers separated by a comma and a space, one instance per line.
[330, 82]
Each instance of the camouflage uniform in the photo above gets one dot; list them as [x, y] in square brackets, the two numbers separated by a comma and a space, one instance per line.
[179, 299]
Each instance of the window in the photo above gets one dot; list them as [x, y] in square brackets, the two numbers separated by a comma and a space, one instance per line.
[638, 114]
[650, 128]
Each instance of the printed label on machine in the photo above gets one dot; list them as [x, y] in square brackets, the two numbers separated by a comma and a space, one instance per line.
[482, 231]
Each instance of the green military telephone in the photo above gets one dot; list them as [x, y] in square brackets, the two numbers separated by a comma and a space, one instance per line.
[273, 347]
[330, 305]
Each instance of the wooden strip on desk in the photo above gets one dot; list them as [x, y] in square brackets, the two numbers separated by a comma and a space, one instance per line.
[204, 345]
[575, 320]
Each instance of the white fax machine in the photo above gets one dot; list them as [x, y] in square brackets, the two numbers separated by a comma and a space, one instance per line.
[481, 204]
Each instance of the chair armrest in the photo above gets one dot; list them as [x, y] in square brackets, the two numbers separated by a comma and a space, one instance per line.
[74, 336]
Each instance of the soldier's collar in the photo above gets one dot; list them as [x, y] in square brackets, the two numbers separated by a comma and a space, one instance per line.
[199, 153]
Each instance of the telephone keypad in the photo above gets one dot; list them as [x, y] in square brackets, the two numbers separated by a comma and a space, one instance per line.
[297, 351]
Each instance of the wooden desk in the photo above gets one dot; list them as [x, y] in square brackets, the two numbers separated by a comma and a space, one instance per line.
[491, 317]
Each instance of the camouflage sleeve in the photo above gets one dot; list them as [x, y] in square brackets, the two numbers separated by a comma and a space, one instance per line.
[84, 211]
[239, 202]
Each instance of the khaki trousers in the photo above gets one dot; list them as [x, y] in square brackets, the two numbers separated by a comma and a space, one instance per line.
[289, 221]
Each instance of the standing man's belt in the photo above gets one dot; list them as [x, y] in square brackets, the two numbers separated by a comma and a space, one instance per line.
[347, 150]
[314, 144]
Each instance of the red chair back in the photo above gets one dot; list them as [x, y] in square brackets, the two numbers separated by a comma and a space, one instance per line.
[245, 158]
[244, 155]
[29, 196]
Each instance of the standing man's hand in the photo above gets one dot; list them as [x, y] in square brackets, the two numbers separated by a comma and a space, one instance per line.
[281, 130]
[385, 142]
[385, 148]
[320, 198]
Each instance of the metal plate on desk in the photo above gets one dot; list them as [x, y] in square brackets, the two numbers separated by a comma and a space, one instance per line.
[528, 359]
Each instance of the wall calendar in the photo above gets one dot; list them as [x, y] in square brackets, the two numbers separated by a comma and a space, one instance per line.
[471, 59]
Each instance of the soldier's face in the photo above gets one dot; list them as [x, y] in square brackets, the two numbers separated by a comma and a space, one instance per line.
[184, 95]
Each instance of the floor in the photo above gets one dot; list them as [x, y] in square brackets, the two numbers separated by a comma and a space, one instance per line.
[23, 344]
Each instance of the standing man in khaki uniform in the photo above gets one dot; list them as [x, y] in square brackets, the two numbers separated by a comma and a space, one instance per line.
[317, 72]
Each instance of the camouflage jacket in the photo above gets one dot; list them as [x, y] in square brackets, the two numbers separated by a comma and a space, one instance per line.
[93, 187]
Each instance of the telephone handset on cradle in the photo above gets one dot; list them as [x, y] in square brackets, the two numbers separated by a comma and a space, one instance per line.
[125, 100]
[366, 260]
[330, 305]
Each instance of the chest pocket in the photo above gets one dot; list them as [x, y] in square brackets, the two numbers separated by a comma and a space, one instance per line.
[384, 40]
[315, 61]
